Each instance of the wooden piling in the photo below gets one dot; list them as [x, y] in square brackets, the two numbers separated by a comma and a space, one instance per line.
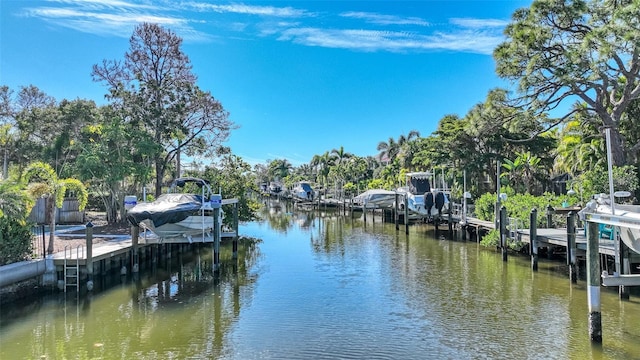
[216, 239]
[135, 234]
[503, 232]
[364, 211]
[89, 264]
[406, 215]
[571, 246]
[550, 212]
[395, 212]
[235, 227]
[533, 238]
[450, 224]
[593, 281]
[623, 291]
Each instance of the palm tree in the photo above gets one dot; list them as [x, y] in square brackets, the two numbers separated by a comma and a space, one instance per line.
[388, 150]
[47, 184]
[14, 202]
[339, 155]
[6, 141]
[391, 149]
[280, 168]
[322, 163]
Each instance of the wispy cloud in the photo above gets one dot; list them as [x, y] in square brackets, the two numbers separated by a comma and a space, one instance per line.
[367, 31]
[111, 17]
[479, 23]
[285, 12]
[371, 40]
[381, 19]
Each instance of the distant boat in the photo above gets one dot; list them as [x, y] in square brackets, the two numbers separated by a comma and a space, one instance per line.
[302, 190]
[376, 198]
[423, 201]
[275, 187]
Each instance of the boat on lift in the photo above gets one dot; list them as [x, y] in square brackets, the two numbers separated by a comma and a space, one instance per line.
[376, 199]
[423, 201]
[179, 215]
[302, 190]
[599, 209]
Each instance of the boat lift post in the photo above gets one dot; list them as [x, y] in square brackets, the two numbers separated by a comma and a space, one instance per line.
[216, 202]
[594, 277]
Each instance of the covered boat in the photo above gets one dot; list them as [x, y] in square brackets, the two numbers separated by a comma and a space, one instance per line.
[376, 198]
[303, 190]
[178, 214]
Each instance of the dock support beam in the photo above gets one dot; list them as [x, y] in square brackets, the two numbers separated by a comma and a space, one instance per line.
[571, 246]
[503, 232]
[593, 283]
[533, 238]
[550, 212]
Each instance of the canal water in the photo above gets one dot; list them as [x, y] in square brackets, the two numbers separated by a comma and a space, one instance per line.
[326, 286]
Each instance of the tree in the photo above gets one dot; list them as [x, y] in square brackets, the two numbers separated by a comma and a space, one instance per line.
[112, 157]
[156, 91]
[582, 49]
[322, 163]
[388, 150]
[279, 168]
[44, 182]
[580, 146]
[15, 231]
[522, 169]
[391, 149]
[233, 176]
[36, 116]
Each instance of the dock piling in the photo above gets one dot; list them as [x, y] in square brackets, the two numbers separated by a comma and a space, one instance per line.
[550, 212]
[593, 282]
[571, 246]
[395, 212]
[235, 227]
[216, 239]
[533, 238]
[89, 243]
[503, 232]
[135, 234]
[406, 215]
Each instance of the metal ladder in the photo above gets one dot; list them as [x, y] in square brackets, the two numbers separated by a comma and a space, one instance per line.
[71, 268]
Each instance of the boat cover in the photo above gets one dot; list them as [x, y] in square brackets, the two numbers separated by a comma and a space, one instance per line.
[168, 208]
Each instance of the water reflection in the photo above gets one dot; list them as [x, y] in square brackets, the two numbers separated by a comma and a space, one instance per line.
[178, 310]
[322, 285]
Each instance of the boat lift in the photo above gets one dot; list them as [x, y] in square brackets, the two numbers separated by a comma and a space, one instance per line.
[629, 227]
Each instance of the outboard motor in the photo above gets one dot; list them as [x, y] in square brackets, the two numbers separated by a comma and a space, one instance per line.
[428, 202]
[440, 202]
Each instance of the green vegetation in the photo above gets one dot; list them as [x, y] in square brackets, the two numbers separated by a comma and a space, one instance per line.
[555, 51]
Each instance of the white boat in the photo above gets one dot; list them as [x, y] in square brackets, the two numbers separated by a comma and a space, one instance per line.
[600, 210]
[376, 199]
[275, 187]
[174, 214]
[302, 190]
[423, 202]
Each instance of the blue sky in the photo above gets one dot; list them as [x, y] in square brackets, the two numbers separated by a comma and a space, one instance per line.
[298, 77]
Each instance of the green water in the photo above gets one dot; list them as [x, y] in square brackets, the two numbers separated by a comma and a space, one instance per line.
[325, 286]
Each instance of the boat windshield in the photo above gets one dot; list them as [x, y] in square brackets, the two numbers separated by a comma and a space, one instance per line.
[419, 186]
[306, 187]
